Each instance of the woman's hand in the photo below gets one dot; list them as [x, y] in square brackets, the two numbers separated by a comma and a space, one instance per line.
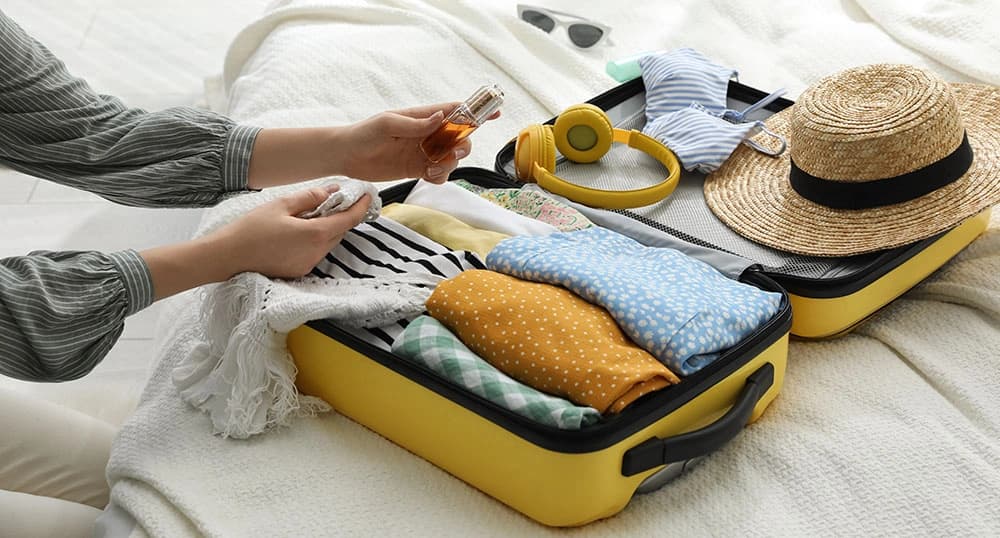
[383, 147]
[273, 241]
[387, 145]
[269, 240]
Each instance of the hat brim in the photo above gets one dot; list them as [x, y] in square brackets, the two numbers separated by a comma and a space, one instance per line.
[751, 193]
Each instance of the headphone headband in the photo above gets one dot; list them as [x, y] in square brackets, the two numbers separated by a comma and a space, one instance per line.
[535, 159]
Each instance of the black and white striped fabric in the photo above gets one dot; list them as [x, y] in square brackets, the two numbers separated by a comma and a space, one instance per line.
[385, 248]
[60, 312]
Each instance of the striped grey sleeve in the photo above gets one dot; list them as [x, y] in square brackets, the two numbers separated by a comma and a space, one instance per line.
[61, 312]
[54, 126]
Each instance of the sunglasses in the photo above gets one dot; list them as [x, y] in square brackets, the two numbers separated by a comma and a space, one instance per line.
[582, 32]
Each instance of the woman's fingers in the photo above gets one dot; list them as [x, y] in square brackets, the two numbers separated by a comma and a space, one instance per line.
[438, 172]
[307, 199]
[337, 224]
[334, 241]
[408, 127]
[427, 110]
[462, 150]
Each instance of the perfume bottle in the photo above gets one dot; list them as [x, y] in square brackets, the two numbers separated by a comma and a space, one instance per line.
[462, 121]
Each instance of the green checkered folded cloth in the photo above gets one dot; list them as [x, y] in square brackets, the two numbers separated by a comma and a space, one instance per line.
[426, 341]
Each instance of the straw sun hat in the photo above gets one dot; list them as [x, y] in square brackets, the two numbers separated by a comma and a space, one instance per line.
[884, 155]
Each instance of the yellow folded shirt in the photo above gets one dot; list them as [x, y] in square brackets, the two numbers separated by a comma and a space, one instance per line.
[444, 228]
[549, 338]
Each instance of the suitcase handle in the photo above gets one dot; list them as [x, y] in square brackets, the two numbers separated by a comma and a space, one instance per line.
[655, 451]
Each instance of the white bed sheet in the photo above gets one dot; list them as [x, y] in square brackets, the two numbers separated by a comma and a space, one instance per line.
[889, 430]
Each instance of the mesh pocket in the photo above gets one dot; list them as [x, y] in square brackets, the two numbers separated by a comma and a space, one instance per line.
[685, 214]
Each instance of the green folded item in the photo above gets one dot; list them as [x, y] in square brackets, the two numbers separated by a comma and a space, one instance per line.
[426, 341]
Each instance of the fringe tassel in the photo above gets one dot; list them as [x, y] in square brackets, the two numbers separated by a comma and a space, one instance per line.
[251, 385]
[242, 375]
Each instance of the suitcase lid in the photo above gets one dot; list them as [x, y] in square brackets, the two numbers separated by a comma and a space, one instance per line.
[685, 215]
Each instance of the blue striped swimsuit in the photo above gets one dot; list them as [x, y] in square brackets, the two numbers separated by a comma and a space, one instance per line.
[686, 109]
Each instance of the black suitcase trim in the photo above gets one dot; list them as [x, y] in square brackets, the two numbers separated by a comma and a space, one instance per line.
[610, 430]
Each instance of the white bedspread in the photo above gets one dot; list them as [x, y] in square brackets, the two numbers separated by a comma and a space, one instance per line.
[893, 429]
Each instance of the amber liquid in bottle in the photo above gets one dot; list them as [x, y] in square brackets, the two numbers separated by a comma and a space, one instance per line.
[466, 117]
[444, 139]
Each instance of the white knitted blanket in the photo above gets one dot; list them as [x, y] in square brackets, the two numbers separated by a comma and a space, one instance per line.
[890, 430]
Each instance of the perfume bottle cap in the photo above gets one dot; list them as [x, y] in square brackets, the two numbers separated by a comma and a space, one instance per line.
[484, 102]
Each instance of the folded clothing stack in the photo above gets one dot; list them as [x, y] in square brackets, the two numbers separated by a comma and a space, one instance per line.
[681, 310]
[565, 326]
[549, 338]
[426, 341]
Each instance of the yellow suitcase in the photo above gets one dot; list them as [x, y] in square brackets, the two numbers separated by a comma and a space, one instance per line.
[569, 478]
[557, 477]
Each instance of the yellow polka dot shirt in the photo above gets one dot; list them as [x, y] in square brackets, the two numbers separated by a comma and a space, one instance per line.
[548, 338]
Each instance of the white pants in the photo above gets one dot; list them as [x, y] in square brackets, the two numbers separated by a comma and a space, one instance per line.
[52, 462]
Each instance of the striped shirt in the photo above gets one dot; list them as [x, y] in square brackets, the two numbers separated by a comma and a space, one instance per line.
[60, 312]
[385, 248]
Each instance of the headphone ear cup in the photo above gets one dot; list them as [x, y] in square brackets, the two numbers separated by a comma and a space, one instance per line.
[535, 144]
[583, 133]
[547, 150]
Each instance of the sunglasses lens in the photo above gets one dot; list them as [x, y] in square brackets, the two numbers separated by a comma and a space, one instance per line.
[540, 20]
[584, 35]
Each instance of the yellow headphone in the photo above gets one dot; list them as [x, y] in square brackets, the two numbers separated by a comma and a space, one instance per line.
[583, 133]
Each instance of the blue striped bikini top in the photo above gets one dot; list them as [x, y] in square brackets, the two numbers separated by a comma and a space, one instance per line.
[686, 109]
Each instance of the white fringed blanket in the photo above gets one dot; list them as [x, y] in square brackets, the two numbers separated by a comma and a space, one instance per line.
[890, 430]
